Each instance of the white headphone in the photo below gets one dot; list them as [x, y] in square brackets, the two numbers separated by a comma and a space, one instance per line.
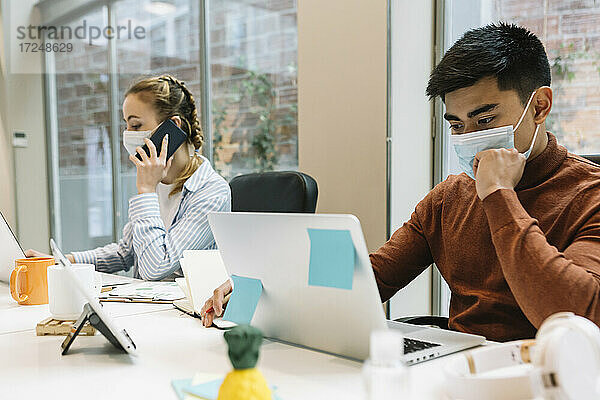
[562, 363]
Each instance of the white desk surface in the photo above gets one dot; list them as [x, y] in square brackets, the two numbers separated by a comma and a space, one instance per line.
[16, 318]
[171, 345]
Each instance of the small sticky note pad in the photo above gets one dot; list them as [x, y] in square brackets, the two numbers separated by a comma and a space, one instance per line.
[244, 299]
[332, 258]
[179, 385]
[207, 390]
[210, 390]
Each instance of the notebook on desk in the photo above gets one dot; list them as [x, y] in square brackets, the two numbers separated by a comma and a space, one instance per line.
[184, 304]
[203, 271]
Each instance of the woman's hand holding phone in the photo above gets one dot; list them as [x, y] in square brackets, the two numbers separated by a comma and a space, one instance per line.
[152, 168]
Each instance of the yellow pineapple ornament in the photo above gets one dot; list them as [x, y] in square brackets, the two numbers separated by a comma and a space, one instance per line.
[245, 382]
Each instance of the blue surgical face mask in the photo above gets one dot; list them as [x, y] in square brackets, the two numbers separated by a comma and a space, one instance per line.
[469, 144]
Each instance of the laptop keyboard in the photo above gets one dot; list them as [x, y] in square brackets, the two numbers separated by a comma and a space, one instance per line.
[412, 345]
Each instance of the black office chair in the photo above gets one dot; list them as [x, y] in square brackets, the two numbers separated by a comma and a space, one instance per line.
[595, 158]
[282, 191]
[429, 320]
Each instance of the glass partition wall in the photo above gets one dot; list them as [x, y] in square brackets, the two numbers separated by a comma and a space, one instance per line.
[252, 59]
[569, 31]
[81, 150]
[171, 46]
[238, 58]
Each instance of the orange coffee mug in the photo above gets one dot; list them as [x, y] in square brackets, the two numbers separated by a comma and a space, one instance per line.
[29, 280]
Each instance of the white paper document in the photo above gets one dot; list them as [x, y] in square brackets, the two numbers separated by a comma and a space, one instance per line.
[156, 291]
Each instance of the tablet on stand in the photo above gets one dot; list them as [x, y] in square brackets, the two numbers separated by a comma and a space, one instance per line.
[92, 312]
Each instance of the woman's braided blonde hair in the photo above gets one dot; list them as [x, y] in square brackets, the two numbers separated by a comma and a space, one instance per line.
[170, 97]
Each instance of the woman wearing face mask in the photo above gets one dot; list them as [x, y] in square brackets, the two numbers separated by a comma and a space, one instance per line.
[175, 196]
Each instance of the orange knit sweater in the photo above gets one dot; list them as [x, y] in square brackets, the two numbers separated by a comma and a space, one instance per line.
[512, 259]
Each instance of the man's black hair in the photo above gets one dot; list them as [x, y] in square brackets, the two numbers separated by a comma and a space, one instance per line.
[510, 53]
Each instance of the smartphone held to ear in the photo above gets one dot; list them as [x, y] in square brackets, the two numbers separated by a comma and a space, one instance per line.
[176, 138]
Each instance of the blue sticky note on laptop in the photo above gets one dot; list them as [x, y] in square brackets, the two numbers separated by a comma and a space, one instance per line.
[244, 299]
[332, 258]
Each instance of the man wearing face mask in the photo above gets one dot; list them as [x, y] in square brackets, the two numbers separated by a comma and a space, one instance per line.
[517, 235]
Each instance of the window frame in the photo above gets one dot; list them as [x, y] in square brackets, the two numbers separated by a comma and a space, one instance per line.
[440, 302]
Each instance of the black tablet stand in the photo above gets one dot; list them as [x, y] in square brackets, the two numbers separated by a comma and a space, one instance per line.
[90, 315]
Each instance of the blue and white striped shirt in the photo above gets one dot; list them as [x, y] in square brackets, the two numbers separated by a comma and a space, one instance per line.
[153, 250]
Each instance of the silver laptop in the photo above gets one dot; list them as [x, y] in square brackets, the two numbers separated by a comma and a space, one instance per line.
[10, 250]
[275, 248]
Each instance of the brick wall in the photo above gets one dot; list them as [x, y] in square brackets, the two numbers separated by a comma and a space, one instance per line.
[82, 102]
[570, 30]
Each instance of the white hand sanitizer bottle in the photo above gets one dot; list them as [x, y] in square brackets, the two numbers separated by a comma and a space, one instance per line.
[385, 375]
